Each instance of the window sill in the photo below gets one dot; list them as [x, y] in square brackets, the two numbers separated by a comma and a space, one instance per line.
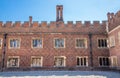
[12, 66]
[81, 66]
[14, 48]
[59, 66]
[102, 47]
[80, 47]
[36, 66]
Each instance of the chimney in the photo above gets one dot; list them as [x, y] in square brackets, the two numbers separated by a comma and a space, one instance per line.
[30, 20]
[59, 13]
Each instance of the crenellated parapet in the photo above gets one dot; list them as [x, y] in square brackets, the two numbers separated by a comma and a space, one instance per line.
[113, 20]
[52, 24]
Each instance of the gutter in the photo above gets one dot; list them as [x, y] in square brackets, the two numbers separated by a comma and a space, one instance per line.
[91, 51]
[4, 53]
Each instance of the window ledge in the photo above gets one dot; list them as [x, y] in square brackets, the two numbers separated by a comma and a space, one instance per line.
[59, 66]
[102, 47]
[81, 66]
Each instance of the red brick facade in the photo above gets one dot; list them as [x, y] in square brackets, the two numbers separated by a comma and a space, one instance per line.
[26, 31]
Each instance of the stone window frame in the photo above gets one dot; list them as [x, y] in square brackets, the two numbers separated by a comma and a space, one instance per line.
[82, 58]
[60, 47]
[14, 47]
[85, 43]
[112, 41]
[41, 57]
[98, 43]
[119, 37]
[13, 57]
[104, 57]
[1, 43]
[111, 60]
[32, 43]
[64, 65]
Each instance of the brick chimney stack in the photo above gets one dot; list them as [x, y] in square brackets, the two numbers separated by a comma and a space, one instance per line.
[30, 20]
[59, 13]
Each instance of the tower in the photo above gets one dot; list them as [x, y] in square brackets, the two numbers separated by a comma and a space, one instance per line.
[59, 13]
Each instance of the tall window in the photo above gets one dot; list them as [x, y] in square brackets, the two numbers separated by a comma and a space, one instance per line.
[103, 61]
[1, 43]
[59, 43]
[14, 43]
[119, 37]
[36, 61]
[82, 61]
[112, 41]
[113, 61]
[81, 43]
[59, 61]
[13, 61]
[37, 43]
[102, 43]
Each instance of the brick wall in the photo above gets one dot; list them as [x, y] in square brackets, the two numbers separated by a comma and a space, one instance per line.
[48, 51]
[115, 51]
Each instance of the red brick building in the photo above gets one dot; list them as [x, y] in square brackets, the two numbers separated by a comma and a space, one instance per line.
[113, 30]
[58, 45]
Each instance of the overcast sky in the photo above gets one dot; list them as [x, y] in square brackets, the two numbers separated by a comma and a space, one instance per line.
[45, 10]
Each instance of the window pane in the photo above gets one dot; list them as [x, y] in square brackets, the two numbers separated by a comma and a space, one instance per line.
[107, 61]
[84, 61]
[78, 61]
[0, 42]
[100, 61]
[59, 43]
[13, 62]
[102, 43]
[14, 43]
[59, 61]
[80, 43]
[36, 62]
[37, 43]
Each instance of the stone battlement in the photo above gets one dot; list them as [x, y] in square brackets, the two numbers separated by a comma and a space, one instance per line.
[51, 24]
[113, 20]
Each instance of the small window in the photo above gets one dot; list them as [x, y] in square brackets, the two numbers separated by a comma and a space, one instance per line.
[103, 61]
[112, 41]
[36, 61]
[59, 43]
[1, 43]
[113, 61]
[14, 43]
[37, 43]
[81, 43]
[82, 61]
[102, 43]
[119, 37]
[59, 61]
[13, 61]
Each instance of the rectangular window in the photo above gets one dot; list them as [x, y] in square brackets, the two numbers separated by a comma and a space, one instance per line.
[36, 61]
[112, 41]
[103, 61]
[59, 61]
[13, 61]
[82, 61]
[14, 43]
[37, 43]
[113, 61]
[102, 43]
[1, 43]
[119, 37]
[59, 43]
[81, 43]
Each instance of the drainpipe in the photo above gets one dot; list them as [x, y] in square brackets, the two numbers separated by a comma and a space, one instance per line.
[4, 52]
[91, 54]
